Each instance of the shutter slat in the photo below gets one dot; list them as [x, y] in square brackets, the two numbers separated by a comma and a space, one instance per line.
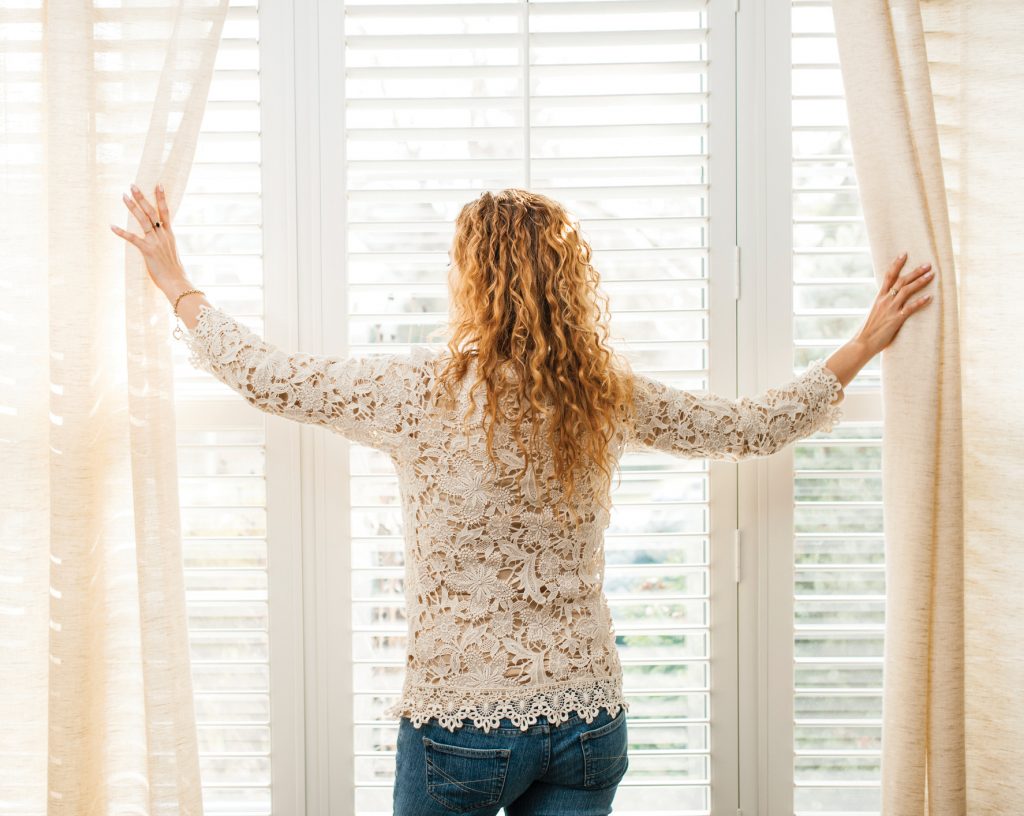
[665, 191]
[460, 10]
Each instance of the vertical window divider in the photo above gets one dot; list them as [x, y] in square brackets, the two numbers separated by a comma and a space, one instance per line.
[723, 476]
[328, 287]
[524, 21]
[320, 525]
[277, 83]
[775, 606]
[764, 359]
[768, 505]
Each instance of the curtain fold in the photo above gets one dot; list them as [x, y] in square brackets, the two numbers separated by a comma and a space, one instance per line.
[933, 90]
[97, 712]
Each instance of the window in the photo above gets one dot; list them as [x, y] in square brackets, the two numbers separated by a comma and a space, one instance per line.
[626, 111]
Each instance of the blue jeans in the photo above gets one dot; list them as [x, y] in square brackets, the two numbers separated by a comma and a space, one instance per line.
[569, 769]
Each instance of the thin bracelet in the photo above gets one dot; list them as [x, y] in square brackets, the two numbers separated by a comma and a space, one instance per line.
[186, 292]
[177, 333]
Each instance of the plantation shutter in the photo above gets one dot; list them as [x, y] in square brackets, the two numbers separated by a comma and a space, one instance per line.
[603, 105]
[222, 442]
[839, 554]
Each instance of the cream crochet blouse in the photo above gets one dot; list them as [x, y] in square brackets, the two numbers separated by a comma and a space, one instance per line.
[507, 615]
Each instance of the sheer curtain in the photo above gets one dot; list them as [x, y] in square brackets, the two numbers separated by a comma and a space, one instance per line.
[96, 714]
[933, 90]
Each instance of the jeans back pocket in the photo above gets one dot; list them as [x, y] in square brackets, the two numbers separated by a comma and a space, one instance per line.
[605, 750]
[463, 779]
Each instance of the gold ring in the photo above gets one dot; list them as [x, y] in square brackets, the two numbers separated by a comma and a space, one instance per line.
[893, 291]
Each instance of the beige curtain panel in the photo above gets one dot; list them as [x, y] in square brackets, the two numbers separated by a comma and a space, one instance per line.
[935, 93]
[96, 714]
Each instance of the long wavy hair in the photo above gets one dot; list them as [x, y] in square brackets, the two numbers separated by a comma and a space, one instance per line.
[525, 299]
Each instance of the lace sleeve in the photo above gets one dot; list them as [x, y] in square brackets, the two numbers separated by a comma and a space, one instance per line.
[369, 399]
[698, 424]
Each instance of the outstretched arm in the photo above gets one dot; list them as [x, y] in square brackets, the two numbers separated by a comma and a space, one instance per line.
[368, 399]
[700, 424]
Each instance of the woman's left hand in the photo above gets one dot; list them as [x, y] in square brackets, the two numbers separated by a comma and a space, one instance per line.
[890, 311]
[156, 244]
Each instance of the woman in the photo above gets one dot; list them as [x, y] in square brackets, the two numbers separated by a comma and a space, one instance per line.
[513, 689]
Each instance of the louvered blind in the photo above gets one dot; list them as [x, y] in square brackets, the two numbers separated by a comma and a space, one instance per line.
[839, 553]
[833, 281]
[221, 441]
[603, 105]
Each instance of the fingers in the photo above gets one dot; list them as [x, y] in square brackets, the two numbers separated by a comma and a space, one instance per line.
[138, 212]
[131, 238]
[893, 272]
[920, 303]
[146, 214]
[914, 274]
[147, 208]
[914, 282]
[918, 279]
[161, 205]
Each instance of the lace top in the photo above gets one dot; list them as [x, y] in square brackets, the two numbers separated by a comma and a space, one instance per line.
[506, 611]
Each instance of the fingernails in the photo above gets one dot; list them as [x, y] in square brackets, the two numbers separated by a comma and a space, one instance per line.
[160, 187]
[135, 189]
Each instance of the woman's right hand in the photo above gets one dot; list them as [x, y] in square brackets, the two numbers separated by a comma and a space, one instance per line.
[888, 313]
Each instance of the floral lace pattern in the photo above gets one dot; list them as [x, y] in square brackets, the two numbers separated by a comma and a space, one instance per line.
[696, 423]
[506, 611]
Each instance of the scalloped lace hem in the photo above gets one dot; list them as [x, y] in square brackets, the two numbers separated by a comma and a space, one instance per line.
[486, 708]
[819, 373]
[196, 339]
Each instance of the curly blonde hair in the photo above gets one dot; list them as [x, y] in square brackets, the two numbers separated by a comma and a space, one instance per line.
[526, 296]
